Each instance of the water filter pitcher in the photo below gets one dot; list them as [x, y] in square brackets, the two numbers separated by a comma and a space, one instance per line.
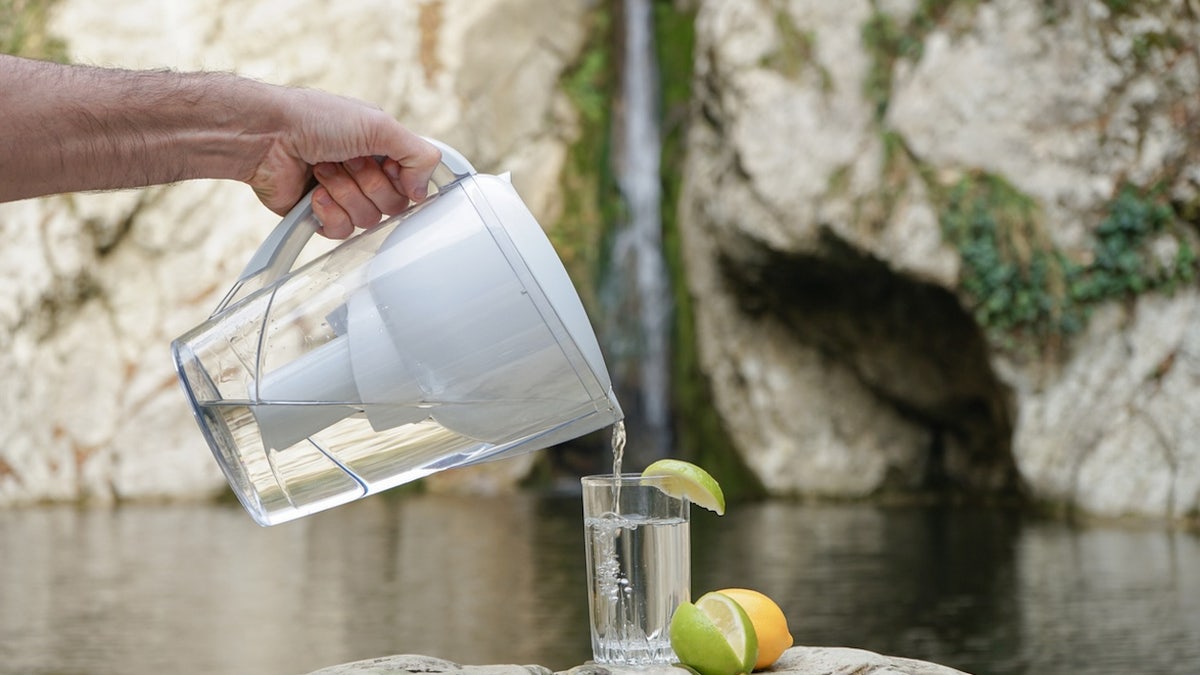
[449, 334]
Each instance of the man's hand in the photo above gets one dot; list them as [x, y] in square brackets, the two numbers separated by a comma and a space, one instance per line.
[336, 140]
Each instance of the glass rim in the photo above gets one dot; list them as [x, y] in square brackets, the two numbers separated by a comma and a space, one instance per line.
[622, 478]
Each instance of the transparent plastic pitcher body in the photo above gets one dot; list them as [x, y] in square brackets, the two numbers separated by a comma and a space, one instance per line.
[447, 335]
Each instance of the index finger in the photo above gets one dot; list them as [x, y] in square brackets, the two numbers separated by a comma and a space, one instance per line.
[410, 163]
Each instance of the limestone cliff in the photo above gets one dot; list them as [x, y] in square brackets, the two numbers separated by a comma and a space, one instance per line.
[939, 244]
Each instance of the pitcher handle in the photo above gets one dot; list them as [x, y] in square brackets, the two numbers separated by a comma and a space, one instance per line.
[278, 252]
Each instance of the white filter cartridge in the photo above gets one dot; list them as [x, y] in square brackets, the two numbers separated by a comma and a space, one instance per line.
[287, 412]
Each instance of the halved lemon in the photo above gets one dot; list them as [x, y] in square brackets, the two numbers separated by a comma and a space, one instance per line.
[770, 624]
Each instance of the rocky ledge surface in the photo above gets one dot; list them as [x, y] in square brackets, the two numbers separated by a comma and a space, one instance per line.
[796, 661]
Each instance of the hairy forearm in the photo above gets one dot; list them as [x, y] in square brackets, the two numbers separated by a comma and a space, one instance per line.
[67, 128]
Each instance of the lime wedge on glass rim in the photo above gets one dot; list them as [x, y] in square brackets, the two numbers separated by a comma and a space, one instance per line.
[684, 479]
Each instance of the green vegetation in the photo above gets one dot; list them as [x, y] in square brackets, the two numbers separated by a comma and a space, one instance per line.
[1023, 289]
[1123, 263]
[590, 197]
[795, 52]
[1120, 6]
[1145, 39]
[1148, 43]
[700, 435]
[887, 42]
[23, 30]
[1010, 273]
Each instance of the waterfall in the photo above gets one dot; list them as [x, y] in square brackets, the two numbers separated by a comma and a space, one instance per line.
[636, 293]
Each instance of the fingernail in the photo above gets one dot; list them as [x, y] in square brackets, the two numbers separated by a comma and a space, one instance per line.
[356, 164]
[322, 197]
[392, 169]
[420, 193]
[324, 170]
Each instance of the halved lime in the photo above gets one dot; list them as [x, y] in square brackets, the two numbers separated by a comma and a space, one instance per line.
[685, 479]
[714, 636]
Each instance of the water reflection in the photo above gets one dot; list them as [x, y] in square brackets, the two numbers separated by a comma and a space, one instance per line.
[931, 583]
[199, 589]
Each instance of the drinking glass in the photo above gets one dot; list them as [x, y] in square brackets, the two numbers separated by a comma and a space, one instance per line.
[638, 566]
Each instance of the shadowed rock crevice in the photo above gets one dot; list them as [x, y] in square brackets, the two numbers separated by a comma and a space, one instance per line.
[910, 343]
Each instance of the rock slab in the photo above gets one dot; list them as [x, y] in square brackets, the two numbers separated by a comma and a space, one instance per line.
[795, 661]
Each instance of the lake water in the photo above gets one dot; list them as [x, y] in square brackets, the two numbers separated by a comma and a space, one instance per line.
[198, 589]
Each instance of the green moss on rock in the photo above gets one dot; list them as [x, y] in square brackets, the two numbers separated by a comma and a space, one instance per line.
[1024, 290]
[1011, 273]
[888, 39]
[590, 197]
[700, 435]
[1123, 260]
